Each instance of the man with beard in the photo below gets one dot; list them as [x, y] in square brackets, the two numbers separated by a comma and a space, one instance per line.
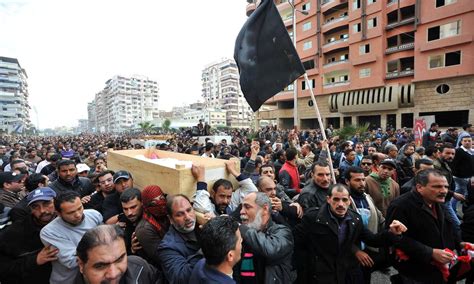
[102, 258]
[381, 187]
[326, 237]
[267, 247]
[315, 192]
[131, 200]
[153, 225]
[179, 250]
[106, 187]
[31, 183]
[370, 258]
[23, 258]
[69, 181]
[443, 164]
[65, 232]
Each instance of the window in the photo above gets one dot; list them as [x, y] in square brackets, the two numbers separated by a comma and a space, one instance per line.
[357, 28]
[371, 2]
[453, 58]
[441, 3]
[308, 65]
[307, 45]
[364, 49]
[303, 84]
[344, 36]
[344, 57]
[306, 7]
[290, 87]
[364, 73]
[306, 26]
[355, 4]
[444, 60]
[444, 31]
[372, 23]
[343, 78]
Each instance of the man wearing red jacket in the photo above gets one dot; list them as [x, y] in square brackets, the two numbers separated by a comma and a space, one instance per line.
[289, 176]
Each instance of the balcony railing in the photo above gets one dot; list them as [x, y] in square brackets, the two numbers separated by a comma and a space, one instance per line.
[327, 2]
[336, 42]
[335, 63]
[398, 74]
[336, 84]
[401, 23]
[401, 47]
[340, 19]
[391, 2]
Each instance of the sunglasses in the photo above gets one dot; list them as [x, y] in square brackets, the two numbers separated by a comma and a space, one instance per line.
[366, 164]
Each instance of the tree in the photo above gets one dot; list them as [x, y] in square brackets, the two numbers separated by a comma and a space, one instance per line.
[166, 124]
[146, 126]
[348, 131]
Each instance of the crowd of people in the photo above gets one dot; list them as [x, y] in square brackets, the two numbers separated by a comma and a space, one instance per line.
[306, 210]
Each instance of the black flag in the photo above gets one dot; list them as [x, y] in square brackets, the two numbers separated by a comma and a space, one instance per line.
[265, 55]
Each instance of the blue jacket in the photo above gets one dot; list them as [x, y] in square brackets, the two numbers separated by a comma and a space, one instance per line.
[203, 274]
[178, 256]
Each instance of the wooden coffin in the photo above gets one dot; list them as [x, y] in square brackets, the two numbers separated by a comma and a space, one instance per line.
[171, 180]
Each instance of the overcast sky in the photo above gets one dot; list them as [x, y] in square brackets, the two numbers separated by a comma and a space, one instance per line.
[69, 48]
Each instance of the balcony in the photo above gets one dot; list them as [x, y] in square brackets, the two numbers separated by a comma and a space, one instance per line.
[401, 23]
[335, 63]
[276, 113]
[336, 84]
[340, 19]
[406, 46]
[399, 74]
[391, 2]
[335, 42]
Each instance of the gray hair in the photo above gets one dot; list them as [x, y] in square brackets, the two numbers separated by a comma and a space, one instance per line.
[261, 199]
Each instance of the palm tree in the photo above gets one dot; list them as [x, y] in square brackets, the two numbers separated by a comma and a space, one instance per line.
[166, 124]
[146, 126]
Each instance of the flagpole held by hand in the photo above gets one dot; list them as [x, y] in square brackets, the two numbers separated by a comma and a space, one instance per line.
[321, 126]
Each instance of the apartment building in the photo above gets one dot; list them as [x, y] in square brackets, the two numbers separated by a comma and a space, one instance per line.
[14, 115]
[221, 90]
[383, 62]
[124, 103]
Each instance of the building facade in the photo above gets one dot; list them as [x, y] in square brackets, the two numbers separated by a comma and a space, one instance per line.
[91, 117]
[221, 90]
[124, 103]
[14, 115]
[383, 62]
[213, 116]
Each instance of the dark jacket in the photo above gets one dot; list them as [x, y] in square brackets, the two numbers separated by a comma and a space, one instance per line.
[178, 254]
[138, 272]
[424, 233]
[320, 256]
[20, 243]
[271, 247]
[312, 195]
[81, 185]
[203, 274]
[463, 164]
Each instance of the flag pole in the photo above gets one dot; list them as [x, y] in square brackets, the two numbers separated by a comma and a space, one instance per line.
[321, 125]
